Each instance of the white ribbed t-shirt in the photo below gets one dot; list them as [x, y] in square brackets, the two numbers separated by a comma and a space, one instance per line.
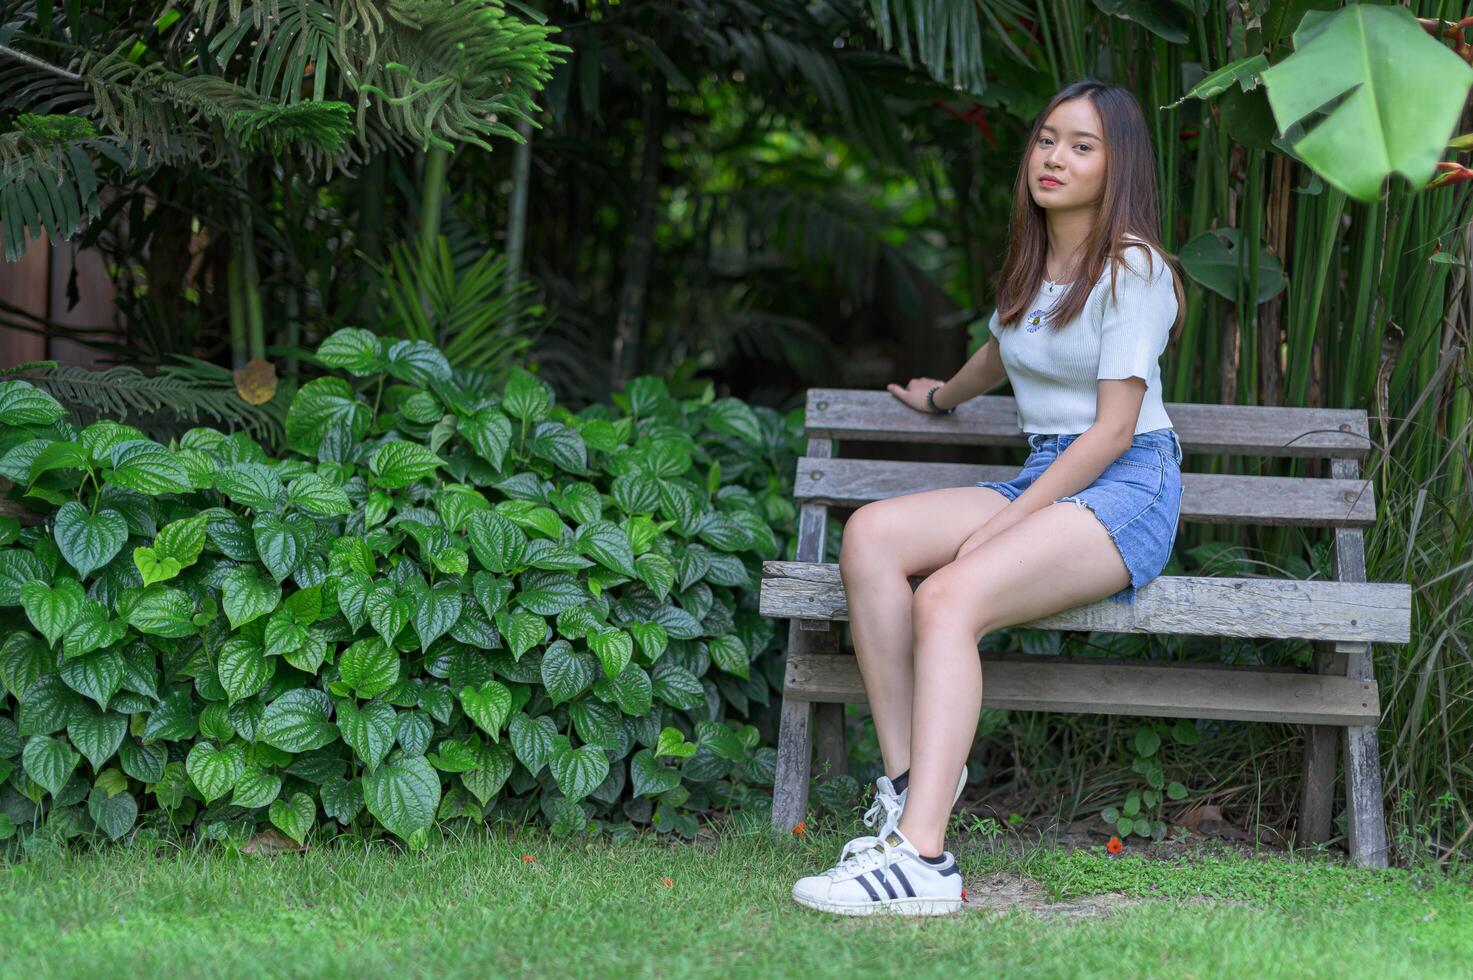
[1054, 371]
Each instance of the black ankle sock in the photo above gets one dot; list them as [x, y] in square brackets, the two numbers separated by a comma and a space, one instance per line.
[938, 859]
[900, 781]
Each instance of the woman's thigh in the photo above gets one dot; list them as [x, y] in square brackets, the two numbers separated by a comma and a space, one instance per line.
[919, 531]
[1056, 558]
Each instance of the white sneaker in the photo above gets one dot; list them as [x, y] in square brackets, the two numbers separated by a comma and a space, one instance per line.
[879, 875]
[884, 788]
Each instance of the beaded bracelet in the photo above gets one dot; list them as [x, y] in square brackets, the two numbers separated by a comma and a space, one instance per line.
[931, 400]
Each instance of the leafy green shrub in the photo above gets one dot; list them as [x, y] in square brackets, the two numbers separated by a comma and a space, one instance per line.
[438, 603]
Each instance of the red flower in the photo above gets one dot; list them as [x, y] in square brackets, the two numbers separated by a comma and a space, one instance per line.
[1450, 173]
[1114, 847]
[667, 882]
[528, 857]
[799, 830]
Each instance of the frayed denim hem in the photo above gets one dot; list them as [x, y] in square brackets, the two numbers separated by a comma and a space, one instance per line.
[1125, 596]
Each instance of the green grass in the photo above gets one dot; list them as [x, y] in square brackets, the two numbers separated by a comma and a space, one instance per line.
[469, 905]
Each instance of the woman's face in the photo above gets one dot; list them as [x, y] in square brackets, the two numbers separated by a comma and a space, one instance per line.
[1066, 167]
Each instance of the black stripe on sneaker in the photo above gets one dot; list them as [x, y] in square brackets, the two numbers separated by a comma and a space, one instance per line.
[904, 881]
[874, 896]
[880, 877]
[953, 870]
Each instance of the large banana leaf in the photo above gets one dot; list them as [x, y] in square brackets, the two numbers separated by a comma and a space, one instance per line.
[1400, 93]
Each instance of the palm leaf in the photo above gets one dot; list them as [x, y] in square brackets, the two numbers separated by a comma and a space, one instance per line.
[164, 405]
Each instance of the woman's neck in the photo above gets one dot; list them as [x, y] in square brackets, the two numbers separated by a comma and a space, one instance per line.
[1068, 229]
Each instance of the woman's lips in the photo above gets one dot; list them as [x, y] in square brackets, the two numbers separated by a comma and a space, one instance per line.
[1049, 182]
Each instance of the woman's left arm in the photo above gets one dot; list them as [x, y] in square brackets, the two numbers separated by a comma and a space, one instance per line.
[1084, 459]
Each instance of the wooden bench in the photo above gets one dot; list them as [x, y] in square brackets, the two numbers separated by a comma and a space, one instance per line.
[1337, 697]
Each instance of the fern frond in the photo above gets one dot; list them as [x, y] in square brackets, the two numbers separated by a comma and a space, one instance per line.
[164, 404]
[47, 179]
[156, 107]
[452, 71]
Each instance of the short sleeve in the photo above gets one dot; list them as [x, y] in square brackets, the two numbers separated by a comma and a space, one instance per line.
[1136, 321]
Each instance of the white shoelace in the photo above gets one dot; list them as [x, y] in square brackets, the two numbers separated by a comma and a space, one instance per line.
[883, 802]
[861, 854]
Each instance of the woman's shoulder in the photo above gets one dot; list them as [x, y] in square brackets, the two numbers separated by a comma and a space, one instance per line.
[1137, 259]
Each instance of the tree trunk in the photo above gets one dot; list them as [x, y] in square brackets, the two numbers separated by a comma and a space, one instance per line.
[516, 219]
[630, 321]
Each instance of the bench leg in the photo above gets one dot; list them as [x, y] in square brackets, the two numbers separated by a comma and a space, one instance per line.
[1317, 793]
[833, 753]
[794, 746]
[1321, 746]
[1365, 811]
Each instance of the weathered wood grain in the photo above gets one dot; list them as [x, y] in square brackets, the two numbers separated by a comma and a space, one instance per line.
[1080, 686]
[796, 722]
[1207, 498]
[1252, 430]
[1365, 808]
[1266, 608]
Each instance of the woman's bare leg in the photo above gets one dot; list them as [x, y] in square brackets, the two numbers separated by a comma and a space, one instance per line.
[1054, 559]
[884, 542]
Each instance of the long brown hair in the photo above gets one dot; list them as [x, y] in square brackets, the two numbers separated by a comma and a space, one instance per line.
[1129, 206]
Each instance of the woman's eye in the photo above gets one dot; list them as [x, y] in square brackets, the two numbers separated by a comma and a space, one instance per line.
[1085, 146]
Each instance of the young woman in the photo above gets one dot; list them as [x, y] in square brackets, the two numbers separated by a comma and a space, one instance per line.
[1087, 302]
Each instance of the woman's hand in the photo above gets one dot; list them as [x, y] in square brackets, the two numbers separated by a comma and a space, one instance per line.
[914, 393]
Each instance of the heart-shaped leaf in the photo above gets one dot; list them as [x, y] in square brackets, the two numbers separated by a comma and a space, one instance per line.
[88, 541]
[243, 668]
[114, 813]
[96, 733]
[369, 730]
[255, 788]
[370, 667]
[247, 595]
[298, 721]
[52, 610]
[49, 761]
[214, 770]
[154, 568]
[493, 767]
[399, 463]
[437, 610]
[614, 648]
[532, 740]
[648, 777]
[403, 794]
[577, 771]
[281, 543]
[488, 706]
[672, 742]
[294, 817]
[388, 612]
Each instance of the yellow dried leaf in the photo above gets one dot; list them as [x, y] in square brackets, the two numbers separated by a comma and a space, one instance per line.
[256, 382]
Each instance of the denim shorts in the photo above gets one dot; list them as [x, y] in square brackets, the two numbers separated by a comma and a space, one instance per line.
[1137, 498]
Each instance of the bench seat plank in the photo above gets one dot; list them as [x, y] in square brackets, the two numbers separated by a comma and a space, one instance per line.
[1267, 608]
[1248, 430]
[1207, 498]
[1159, 690]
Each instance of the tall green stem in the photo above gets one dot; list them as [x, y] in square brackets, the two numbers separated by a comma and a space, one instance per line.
[432, 193]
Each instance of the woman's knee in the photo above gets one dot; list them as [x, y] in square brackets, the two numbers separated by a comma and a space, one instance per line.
[943, 604]
[864, 538]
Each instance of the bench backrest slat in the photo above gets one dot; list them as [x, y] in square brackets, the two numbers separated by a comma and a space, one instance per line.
[1246, 430]
[1207, 498]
